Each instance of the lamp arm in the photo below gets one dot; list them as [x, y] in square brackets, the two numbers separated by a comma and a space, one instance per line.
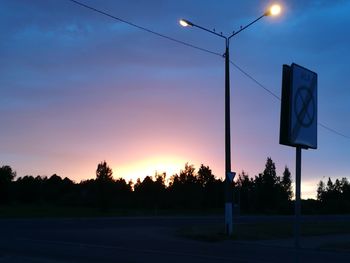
[245, 27]
[210, 31]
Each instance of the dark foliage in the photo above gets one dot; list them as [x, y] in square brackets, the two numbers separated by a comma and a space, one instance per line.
[334, 197]
[6, 177]
[265, 193]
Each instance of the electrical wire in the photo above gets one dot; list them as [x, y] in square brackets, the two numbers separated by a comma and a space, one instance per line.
[332, 130]
[201, 49]
[255, 81]
[145, 29]
[278, 98]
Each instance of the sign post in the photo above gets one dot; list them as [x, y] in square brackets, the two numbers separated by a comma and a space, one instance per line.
[298, 126]
[229, 203]
[297, 197]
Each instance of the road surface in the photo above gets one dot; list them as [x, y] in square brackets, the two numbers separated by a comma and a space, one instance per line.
[142, 239]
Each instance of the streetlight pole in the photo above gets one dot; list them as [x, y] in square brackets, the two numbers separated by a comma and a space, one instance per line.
[229, 175]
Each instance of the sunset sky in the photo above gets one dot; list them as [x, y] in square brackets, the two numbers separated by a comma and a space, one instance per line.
[78, 87]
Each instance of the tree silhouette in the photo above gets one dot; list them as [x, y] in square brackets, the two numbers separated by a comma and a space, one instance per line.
[211, 189]
[28, 190]
[52, 187]
[150, 193]
[265, 187]
[321, 188]
[271, 193]
[104, 173]
[205, 176]
[245, 186]
[334, 197]
[265, 193]
[186, 176]
[184, 188]
[122, 191]
[104, 186]
[286, 184]
[330, 185]
[6, 177]
[269, 175]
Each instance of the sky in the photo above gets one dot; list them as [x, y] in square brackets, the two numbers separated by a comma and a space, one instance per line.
[78, 87]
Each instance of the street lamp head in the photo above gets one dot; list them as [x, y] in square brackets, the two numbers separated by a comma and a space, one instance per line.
[185, 23]
[274, 10]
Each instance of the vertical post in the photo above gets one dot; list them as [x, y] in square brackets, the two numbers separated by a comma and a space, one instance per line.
[228, 180]
[297, 197]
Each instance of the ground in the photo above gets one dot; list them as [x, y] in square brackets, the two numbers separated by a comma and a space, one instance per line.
[158, 239]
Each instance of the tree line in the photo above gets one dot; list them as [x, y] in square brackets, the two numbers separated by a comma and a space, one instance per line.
[187, 190]
[334, 197]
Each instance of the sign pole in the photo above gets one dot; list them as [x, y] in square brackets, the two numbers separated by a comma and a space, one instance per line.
[297, 197]
[298, 126]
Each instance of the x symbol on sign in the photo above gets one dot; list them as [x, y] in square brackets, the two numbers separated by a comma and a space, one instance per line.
[305, 116]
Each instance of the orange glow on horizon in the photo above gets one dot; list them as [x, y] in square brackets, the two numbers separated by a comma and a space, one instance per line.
[148, 167]
[308, 189]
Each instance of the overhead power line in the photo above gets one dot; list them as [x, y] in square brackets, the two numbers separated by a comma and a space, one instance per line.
[332, 130]
[254, 80]
[201, 49]
[278, 98]
[144, 28]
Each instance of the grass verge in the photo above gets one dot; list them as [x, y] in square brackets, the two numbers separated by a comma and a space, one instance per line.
[263, 231]
[337, 246]
[57, 211]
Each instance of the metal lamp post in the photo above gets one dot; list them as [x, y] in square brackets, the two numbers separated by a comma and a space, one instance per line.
[229, 175]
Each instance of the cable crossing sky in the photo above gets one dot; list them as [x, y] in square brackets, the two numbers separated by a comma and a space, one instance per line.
[324, 126]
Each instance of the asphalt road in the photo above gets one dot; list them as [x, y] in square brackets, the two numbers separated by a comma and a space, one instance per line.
[142, 239]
